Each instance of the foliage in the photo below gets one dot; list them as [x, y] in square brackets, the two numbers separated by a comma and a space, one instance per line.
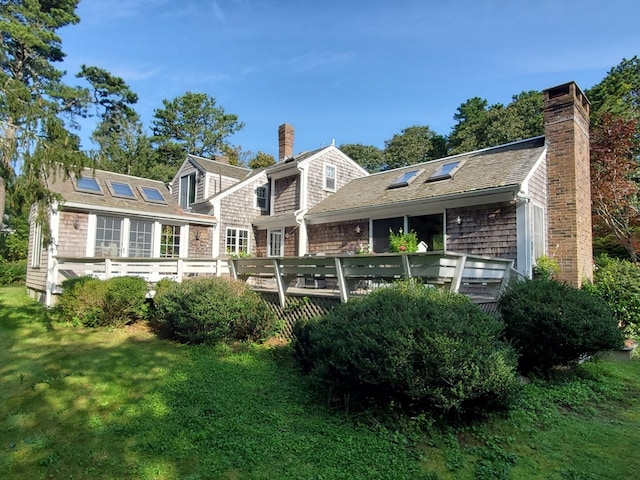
[261, 160]
[403, 242]
[546, 268]
[14, 244]
[211, 310]
[92, 302]
[33, 98]
[481, 126]
[192, 124]
[617, 283]
[552, 324]
[367, 156]
[413, 145]
[417, 347]
[11, 272]
[614, 190]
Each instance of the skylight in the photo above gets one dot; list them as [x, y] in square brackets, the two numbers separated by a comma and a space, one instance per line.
[446, 170]
[152, 194]
[405, 179]
[122, 190]
[88, 184]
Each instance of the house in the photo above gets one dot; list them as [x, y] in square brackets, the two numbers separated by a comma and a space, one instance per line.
[107, 215]
[517, 201]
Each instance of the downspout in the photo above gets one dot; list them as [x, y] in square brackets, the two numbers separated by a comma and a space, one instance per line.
[524, 237]
[302, 225]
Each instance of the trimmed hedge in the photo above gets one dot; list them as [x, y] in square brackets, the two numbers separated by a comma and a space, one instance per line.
[552, 324]
[409, 345]
[13, 272]
[92, 302]
[211, 310]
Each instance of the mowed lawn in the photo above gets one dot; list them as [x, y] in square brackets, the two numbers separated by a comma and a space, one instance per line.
[122, 404]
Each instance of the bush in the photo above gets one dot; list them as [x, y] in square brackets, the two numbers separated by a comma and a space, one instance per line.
[13, 272]
[553, 324]
[92, 302]
[211, 310]
[413, 346]
[617, 283]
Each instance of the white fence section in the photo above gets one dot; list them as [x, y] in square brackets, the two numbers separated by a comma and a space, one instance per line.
[350, 275]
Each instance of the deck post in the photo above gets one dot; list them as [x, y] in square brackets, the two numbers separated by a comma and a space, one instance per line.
[107, 268]
[342, 284]
[180, 270]
[279, 283]
[457, 273]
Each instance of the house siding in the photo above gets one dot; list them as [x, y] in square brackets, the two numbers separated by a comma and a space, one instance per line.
[337, 238]
[345, 172]
[75, 241]
[200, 247]
[36, 281]
[286, 194]
[485, 230]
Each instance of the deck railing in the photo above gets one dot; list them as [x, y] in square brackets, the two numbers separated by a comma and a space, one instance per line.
[349, 275]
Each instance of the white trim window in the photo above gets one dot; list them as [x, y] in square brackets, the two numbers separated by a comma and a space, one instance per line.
[108, 236]
[330, 175]
[275, 245]
[262, 198]
[187, 190]
[170, 241]
[237, 241]
[140, 238]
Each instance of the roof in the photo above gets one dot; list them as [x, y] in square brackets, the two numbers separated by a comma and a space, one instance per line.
[480, 171]
[220, 168]
[106, 200]
[293, 162]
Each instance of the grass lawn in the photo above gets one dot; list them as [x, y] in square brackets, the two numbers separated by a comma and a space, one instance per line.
[123, 404]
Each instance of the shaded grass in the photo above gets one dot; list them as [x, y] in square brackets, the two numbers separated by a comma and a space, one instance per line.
[123, 404]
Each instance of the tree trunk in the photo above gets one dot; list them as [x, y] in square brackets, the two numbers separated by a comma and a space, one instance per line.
[3, 196]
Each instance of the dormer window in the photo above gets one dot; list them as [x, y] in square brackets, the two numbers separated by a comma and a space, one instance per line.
[405, 179]
[187, 190]
[262, 198]
[330, 177]
[446, 170]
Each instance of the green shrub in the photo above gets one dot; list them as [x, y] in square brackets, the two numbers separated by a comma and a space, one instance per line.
[546, 267]
[13, 272]
[125, 301]
[553, 324]
[413, 346]
[92, 302]
[82, 301]
[617, 283]
[211, 310]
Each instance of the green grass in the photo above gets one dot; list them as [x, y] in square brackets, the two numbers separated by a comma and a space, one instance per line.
[123, 404]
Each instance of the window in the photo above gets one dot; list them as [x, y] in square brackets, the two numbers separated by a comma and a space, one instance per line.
[330, 177]
[405, 179]
[152, 194]
[538, 232]
[276, 247]
[170, 241]
[187, 190]
[430, 230]
[88, 184]
[262, 198]
[380, 232]
[121, 190]
[36, 253]
[237, 241]
[108, 233]
[140, 236]
[446, 170]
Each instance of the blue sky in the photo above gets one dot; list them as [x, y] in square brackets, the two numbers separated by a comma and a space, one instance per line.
[347, 71]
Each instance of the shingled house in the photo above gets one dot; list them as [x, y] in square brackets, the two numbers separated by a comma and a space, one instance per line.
[517, 201]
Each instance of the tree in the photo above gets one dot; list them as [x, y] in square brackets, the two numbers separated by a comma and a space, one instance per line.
[192, 124]
[413, 145]
[33, 98]
[616, 206]
[367, 156]
[480, 126]
[261, 160]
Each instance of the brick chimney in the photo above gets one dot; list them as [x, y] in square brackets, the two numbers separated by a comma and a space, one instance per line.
[285, 141]
[566, 128]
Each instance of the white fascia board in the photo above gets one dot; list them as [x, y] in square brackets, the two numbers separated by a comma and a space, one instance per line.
[204, 219]
[236, 187]
[524, 188]
[418, 207]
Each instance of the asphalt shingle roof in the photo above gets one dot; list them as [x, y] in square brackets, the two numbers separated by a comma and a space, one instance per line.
[220, 168]
[502, 166]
